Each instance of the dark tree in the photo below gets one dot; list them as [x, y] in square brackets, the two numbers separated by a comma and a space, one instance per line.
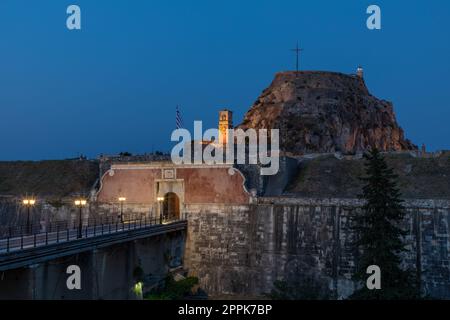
[379, 238]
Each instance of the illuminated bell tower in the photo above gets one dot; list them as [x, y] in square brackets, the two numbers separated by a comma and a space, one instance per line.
[225, 123]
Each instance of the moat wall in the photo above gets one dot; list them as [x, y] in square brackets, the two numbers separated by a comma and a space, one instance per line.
[242, 250]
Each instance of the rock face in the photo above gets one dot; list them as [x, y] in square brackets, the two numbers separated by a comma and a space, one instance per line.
[320, 112]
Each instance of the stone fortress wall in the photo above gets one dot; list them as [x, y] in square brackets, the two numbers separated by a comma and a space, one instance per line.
[242, 250]
[247, 231]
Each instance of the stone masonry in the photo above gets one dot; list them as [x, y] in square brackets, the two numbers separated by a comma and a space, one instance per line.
[242, 250]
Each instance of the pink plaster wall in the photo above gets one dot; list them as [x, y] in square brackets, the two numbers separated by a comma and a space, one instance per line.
[212, 185]
[202, 185]
[137, 186]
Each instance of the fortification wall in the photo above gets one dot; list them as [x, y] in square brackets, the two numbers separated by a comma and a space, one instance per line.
[242, 250]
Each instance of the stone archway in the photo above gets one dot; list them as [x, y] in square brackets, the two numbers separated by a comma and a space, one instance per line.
[171, 206]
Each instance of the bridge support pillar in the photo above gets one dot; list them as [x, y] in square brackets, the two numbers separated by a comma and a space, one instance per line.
[35, 275]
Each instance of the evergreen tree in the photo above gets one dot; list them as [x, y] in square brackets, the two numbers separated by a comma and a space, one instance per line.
[378, 235]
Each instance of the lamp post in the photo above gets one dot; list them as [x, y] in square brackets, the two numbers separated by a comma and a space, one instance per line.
[80, 204]
[160, 200]
[28, 203]
[121, 200]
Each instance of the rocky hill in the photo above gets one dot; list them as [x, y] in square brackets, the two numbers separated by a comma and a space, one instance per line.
[320, 112]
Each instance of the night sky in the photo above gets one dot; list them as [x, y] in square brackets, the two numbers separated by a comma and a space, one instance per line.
[113, 86]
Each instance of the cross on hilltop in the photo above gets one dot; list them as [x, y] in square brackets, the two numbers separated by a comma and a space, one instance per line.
[297, 50]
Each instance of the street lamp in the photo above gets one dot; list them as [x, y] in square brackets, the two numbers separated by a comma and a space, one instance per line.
[80, 204]
[28, 203]
[121, 200]
[160, 200]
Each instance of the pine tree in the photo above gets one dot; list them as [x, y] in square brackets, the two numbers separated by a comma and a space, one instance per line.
[378, 235]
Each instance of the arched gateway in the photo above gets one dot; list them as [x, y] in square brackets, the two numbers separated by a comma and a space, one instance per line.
[171, 206]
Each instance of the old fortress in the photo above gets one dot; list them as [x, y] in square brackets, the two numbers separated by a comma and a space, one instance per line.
[245, 230]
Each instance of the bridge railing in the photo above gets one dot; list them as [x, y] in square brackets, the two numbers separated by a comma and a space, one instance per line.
[13, 238]
[39, 227]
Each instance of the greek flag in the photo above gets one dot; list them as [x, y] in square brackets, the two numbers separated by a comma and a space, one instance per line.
[178, 119]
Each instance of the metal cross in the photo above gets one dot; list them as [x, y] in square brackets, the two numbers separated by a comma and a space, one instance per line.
[297, 50]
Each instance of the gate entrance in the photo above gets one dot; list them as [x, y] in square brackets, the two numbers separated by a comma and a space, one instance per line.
[171, 206]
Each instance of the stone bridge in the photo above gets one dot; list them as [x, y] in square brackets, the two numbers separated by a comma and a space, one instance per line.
[35, 267]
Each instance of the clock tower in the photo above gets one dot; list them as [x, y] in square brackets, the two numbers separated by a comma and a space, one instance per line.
[225, 123]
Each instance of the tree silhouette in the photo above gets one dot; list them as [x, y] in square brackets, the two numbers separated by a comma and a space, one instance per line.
[379, 237]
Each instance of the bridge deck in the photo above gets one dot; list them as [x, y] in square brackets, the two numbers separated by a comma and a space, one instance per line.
[22, 251]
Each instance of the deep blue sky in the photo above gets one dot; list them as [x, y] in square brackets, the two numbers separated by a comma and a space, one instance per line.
[114, 85]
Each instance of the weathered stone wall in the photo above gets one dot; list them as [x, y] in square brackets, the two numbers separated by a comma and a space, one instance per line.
[242, 250]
